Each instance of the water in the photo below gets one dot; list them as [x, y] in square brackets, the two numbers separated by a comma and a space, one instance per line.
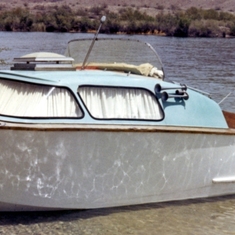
[202, 63]
[205, 64]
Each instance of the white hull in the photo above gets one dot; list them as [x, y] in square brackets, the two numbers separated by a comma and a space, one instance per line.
[92, 167]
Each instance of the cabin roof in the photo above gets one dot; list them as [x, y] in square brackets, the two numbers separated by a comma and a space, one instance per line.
[75, 78]
[198, 110]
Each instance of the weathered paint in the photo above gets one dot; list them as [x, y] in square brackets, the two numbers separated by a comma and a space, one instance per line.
[76, 169]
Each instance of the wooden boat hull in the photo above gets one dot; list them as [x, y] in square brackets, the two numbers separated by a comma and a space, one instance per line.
[77, 167]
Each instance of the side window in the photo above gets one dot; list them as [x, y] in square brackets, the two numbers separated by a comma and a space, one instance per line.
[21, 99]
[120, 103]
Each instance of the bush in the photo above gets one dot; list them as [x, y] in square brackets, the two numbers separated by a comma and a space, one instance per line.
[166, 23]
[192, 22]
[85, 24]
[16, 20]
[112, 27]
[182, 26]
[210, 14]
[205, 28]
[225, 16]
[194, 13]
[128, 14]
[232, 29]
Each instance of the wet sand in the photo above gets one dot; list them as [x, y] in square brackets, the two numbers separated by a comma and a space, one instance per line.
[204, 216]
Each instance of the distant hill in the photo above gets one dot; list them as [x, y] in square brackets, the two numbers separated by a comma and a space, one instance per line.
[149, 6]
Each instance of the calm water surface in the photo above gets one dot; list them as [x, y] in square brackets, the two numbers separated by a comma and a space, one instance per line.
[205, 64]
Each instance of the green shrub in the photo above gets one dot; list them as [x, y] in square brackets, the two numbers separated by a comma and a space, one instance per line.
[128, 14]
[205, 28]
[210, 14]
[166, 23]
[182, 27]
[232, 29]
[193, 22]
[85, 25]
[194, 13]
[226, 16]
[16, 20]
[111, 27]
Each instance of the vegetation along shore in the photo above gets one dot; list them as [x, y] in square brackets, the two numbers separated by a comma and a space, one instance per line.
[193, 22]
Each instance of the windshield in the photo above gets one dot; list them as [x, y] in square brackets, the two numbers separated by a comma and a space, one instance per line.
[114, 51]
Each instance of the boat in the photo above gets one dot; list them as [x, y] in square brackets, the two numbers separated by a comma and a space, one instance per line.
[99, 127]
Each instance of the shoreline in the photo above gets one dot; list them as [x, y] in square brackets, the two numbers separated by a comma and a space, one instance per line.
[190, 23]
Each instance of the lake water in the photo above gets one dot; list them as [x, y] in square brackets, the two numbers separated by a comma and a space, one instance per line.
[205, 64]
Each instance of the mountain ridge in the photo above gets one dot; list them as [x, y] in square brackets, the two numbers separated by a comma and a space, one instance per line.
[148, 6]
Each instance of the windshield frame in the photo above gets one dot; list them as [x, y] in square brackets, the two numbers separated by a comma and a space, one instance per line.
[114, 51]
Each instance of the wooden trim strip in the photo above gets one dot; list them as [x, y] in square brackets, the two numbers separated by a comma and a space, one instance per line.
[230, 118]
[114, 128]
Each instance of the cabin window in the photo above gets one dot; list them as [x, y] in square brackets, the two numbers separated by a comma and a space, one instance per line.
[120, 103]
[29, 100]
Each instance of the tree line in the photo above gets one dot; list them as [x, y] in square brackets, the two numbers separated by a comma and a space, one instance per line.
[193, 22]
